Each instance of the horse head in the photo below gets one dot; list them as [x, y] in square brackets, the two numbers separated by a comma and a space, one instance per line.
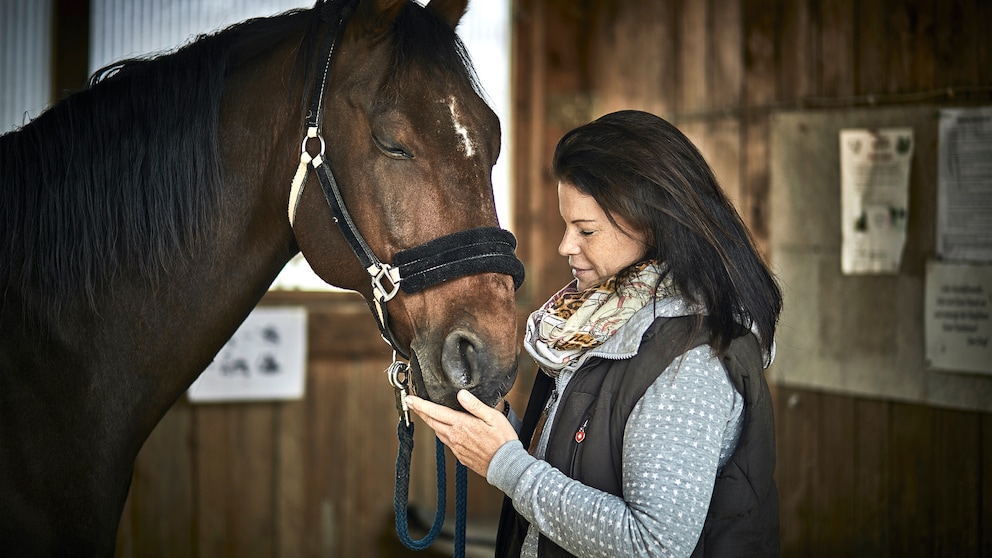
[411, 144]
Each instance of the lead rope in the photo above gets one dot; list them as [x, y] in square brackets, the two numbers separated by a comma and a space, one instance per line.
[404, 431]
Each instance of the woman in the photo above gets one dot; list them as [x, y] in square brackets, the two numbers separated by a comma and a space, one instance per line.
[649, 431]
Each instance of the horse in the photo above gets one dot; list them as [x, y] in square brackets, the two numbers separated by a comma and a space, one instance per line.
[144, 216]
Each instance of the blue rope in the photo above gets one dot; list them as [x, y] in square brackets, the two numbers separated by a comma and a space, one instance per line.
[401, 499]
[402, 494]
[461, 492]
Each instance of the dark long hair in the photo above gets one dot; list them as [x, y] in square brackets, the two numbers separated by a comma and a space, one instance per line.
[124, 174]
[642, 168]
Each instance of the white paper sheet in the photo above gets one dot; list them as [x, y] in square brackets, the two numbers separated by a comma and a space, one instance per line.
[964, 186]
[265, 359]
[958, 324]
[874, 198]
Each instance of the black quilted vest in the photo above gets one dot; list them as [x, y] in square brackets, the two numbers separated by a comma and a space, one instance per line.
[743, 515]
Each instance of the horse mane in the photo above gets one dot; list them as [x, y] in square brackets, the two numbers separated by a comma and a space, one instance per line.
[123, 175]
[423, 43]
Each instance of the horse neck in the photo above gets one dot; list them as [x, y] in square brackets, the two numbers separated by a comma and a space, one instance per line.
[129, 354]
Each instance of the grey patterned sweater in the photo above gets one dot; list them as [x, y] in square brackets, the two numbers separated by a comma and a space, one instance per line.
[679, 434]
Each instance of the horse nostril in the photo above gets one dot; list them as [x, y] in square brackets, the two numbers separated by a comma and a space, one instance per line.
[459, 358]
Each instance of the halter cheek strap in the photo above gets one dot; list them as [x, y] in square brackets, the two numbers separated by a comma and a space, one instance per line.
[300, 178]
[472, 251]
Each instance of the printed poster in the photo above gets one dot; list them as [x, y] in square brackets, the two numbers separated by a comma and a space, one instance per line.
[958, 325]
[875, 168]
[964, 185]
[265, 359]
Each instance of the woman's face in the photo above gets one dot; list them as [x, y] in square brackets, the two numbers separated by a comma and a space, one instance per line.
[595, 248]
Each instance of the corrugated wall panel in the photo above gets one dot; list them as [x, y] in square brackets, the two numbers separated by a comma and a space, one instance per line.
[25, 60]
[129, 28]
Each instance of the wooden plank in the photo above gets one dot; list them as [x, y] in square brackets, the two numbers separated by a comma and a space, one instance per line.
[985, 523]
[324, 453]
[957, 458]
[911, 473]
[723, 153]
[212, 464]
[871, 478]
[162, 489]
[235, 488]
[344, 334]
[693, 56]
[760, 27]
[837, 70]
[983, 46]
[339, 324]
[290, 478]
[71, 38]
[796, 419]
[873, 40]
[800, 51]
[635, 58]
[755, 180]
[957, 32]
[369, 470]
[251, 489]
[832, 531]
[527, 147]
[919, 45]
[726, 53]
[568, 47]
[541, 75]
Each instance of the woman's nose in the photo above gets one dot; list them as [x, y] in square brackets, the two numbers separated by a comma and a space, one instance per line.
[567, 247]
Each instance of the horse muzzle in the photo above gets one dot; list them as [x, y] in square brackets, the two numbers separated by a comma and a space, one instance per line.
[466, 362]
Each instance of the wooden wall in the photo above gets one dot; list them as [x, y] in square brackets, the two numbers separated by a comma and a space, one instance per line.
[309, 478]
[858, 477]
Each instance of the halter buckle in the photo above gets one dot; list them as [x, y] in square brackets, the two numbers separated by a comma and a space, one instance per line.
[398, 376]
[389, 273]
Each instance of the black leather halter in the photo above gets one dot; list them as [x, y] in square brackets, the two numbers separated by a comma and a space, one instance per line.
[479, 250]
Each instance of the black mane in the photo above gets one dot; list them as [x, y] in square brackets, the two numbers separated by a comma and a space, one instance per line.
[424, 43]
[123, 174]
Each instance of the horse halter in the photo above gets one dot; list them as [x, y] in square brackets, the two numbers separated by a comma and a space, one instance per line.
[478, 250]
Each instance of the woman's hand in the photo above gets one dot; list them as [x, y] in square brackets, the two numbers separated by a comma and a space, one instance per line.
[473, 437]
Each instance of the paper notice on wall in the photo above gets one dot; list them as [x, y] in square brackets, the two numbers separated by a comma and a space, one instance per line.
[874, 198]
[958, 326]
[265, 359]
[964, 185]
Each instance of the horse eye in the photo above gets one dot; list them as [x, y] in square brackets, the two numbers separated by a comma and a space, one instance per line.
[391, 150]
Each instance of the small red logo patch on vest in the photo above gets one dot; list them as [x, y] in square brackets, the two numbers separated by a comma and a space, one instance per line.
[581, 434]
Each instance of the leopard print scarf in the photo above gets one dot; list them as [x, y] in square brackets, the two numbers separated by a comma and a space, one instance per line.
[571, 322]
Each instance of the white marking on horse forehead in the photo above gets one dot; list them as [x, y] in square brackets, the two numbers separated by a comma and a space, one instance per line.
[467, 145]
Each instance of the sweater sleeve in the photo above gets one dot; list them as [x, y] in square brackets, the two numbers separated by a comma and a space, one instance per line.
[671, 453]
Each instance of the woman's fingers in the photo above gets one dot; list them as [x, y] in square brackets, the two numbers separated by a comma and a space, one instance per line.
[473, 437]
[431, 412]
[472, 404]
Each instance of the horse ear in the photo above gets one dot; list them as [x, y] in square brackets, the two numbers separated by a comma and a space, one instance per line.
[450, 11]
[378, 15]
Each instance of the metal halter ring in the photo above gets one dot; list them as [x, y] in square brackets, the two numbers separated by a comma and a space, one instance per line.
[398, 376]
[397, 373]
[311, 134]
